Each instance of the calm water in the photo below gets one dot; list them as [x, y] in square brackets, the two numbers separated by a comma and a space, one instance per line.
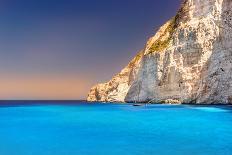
[79, 129]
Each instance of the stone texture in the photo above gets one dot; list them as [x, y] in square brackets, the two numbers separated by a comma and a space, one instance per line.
[116, 89]
[189, 60]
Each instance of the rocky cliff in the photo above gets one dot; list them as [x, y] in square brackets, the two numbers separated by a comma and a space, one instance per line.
[189, 60]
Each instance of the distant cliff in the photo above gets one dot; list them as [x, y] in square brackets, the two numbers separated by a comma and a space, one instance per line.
[189, 60]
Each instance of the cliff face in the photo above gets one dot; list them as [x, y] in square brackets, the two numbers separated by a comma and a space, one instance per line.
[189, 60]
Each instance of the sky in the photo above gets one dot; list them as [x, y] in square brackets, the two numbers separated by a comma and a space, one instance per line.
[58, 49]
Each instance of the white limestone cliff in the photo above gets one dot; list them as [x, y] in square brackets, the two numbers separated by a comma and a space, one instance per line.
[189, 60]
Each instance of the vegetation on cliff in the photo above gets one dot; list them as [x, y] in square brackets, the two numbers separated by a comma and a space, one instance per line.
[165, 38]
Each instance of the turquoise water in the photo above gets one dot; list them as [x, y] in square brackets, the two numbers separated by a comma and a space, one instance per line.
[100, 129]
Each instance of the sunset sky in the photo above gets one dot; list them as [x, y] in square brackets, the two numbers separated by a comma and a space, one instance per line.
[58, 49]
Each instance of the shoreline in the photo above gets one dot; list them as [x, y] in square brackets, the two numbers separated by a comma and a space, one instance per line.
[5, 103]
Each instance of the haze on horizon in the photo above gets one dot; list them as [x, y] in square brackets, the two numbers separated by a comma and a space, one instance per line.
[58, 49]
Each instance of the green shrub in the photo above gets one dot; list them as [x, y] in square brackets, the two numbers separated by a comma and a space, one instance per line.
[160, 45]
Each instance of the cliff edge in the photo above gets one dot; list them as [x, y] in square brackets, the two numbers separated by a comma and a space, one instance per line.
[189, 60]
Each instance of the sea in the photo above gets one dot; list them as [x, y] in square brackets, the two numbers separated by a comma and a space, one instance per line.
[81, 128]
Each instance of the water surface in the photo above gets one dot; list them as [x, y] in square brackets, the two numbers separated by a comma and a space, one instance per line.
[107, 129]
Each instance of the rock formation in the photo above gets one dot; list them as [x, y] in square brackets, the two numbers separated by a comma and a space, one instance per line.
[189, 60]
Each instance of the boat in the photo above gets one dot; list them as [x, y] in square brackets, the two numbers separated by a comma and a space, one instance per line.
[136, 104]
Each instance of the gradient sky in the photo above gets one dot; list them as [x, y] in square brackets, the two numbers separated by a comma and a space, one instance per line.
[58, 49]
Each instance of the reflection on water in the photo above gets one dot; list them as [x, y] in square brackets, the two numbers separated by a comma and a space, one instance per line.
[212, 109]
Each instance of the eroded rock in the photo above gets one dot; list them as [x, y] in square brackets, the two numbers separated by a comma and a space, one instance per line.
[189, 60]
